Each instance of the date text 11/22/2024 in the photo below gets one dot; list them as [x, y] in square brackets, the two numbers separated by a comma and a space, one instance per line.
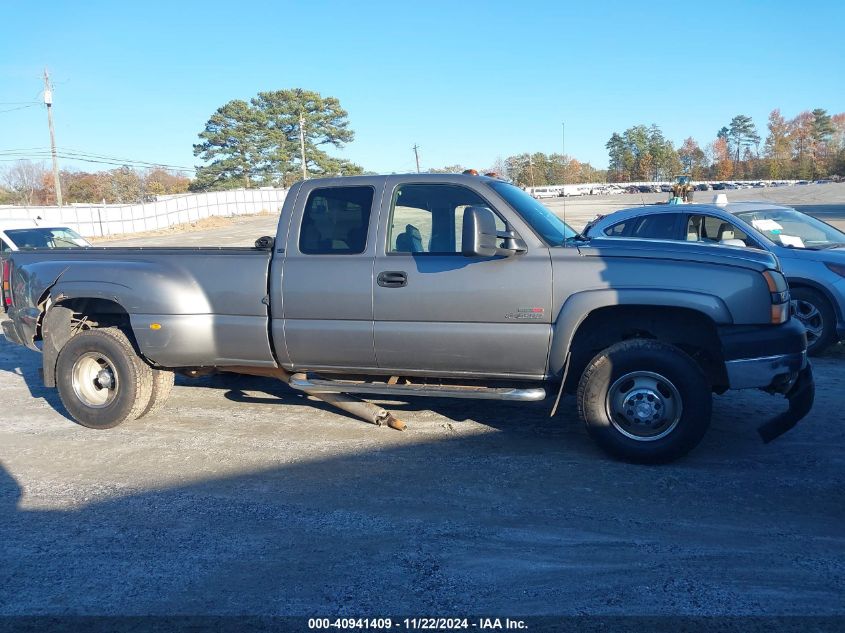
[424, 623]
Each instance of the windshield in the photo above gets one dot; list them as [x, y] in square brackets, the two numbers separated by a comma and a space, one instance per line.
[551, 228]
[793, 229]
[46, 238]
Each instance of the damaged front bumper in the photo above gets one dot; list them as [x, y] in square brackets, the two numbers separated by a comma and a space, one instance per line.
[787, 374]
[801, 394]
[783, 368]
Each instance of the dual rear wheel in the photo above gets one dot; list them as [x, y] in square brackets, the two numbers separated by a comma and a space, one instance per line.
[102, 382]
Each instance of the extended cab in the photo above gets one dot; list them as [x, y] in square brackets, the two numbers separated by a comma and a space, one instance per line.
[437, 285]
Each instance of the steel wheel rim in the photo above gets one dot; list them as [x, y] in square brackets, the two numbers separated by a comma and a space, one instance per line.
[644, 406]
[94, 380]
[810, 317]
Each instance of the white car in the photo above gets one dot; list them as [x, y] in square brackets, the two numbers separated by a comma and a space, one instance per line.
[18, 234]
[544, 192]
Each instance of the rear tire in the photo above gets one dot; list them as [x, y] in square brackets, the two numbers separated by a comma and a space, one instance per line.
[101, 380]
[816, 314]
[644, 401]
[162, 386]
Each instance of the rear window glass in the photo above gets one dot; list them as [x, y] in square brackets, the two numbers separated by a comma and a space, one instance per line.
[335, 221]
[46, 238]
[660, 226]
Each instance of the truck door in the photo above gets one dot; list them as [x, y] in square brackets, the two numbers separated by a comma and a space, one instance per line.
[327, 275]
[439, 312]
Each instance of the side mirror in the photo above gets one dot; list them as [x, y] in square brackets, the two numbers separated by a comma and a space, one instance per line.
[265, 243]
[479, 237]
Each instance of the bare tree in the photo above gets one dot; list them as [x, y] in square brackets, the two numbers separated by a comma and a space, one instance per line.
[25, 180]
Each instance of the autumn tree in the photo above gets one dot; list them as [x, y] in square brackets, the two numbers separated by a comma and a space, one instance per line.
[692, 158]
[721, 158]
[778, 144]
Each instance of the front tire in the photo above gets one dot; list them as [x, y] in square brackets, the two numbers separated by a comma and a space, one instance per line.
[816, 314]
[644, 401]
[101, 380]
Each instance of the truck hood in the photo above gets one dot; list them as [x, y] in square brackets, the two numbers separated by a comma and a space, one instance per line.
[680, 251]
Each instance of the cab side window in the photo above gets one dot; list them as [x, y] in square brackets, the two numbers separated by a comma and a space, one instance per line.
[4, 247]
[429, 218]
[335, 221]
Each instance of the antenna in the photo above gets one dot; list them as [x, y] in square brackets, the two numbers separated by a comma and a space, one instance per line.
[563, 158]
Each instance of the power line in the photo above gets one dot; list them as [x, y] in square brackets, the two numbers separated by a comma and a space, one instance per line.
[88, 157]
[23, 107]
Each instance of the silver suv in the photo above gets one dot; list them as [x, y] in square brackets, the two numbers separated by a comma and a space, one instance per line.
[811, 252]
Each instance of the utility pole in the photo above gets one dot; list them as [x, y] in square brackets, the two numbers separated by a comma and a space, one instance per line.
[48, 101]
[531, 170]
[417, 156]
[302, 146]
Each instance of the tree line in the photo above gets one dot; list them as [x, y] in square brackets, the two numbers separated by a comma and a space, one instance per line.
[808, 146]
[31, 184]
[281, 136]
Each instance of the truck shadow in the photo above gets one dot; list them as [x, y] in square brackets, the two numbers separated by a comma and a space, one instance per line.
[517, 417]
[469, 524]
[25, 363]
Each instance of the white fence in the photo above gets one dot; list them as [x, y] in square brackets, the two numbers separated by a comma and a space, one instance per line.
[113, 219]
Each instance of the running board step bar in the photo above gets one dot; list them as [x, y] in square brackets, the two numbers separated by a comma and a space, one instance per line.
[303, 382]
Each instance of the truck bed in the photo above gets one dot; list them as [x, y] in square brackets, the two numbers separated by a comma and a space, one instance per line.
[209, 302]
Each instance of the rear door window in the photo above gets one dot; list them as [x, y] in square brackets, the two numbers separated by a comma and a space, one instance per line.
[658, 226]
[335, 221]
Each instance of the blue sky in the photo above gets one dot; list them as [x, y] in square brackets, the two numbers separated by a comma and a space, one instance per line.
[466, 81]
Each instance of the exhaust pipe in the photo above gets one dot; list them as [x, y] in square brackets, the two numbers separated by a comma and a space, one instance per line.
[366, 411]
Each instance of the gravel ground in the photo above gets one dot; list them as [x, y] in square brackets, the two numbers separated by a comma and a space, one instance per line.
[242, 497]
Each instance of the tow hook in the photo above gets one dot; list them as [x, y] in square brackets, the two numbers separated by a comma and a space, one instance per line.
[800, 395]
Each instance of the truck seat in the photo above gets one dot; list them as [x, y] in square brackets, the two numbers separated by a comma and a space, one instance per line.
[410, 241]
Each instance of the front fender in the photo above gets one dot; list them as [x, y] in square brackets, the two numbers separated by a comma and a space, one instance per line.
[579, 305]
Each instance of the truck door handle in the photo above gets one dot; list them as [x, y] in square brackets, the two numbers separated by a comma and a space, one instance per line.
[392, 279]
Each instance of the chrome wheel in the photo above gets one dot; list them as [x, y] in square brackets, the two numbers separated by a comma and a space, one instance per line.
[810, 317]
[94, 380]
[644, 406]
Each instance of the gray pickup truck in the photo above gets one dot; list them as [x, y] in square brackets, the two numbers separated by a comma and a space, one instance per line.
[423, 285]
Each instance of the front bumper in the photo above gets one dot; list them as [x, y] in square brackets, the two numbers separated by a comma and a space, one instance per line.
[776, 372]
[772, 358]
[764, 356]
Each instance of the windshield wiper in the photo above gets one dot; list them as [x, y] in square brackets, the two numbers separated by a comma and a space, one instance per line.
[824, 247]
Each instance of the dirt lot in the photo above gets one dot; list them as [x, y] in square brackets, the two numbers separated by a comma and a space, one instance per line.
[244, 498]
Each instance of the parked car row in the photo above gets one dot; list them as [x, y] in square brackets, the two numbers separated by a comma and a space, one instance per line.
[811, 252]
